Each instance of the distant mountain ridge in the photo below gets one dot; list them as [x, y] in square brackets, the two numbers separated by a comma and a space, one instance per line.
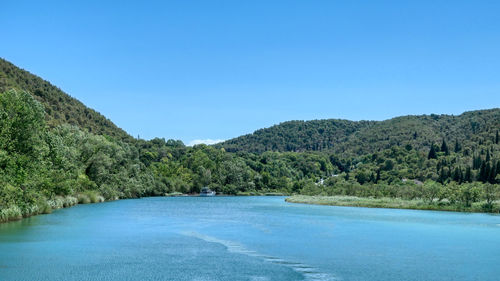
[60, 107]
[361, 137]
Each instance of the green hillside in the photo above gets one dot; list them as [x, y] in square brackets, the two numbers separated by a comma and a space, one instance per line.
[352, 138]
[55, 152]
[59, 106]
[297, 136]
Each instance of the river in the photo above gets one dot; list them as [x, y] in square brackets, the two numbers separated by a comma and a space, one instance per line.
[248, 238]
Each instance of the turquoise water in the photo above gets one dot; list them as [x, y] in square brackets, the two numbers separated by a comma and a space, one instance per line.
[248, 238]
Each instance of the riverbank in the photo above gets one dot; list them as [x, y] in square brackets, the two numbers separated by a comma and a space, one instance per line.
[393, 203]
[14, 213]
[246, 193]
[44, 206]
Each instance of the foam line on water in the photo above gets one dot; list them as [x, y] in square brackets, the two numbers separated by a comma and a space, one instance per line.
[309, 272]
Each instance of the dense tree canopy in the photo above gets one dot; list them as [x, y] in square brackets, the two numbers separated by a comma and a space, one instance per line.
[55, 152]
[350, 138]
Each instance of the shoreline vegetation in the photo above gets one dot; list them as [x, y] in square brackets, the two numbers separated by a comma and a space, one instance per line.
[245, 193]
[393, 203]
[15, 213]
[430, 195]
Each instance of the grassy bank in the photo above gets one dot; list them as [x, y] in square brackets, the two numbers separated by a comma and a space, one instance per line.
[241, 193]
[262, 193]
[44, 206]
[395, 203]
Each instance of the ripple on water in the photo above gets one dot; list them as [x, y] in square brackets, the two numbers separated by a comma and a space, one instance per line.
[309, 272]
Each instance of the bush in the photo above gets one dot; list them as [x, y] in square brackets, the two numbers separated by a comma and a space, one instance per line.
[11, 213]
[83, 198]
[90, 197]
[44, 207]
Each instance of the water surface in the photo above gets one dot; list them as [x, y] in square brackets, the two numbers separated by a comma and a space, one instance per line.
[248, 238]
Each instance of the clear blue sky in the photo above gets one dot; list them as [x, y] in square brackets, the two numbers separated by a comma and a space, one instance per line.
[218, 69]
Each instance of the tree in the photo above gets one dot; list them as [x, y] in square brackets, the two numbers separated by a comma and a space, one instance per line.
[468, 175]
[469, 193]
[444, 148]
[490, 194]
[497, 138]
[22, 122]
[484, 171]
[361, 177]
[476, 161]
[431, 191]
[388, 165]
[432, 153]
[457, 175]
[442, 175]
[492, 173]
[458, 147]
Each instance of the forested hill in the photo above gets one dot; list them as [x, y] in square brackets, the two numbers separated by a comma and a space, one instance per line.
[46, 163]
[59, 106]
[362, 137]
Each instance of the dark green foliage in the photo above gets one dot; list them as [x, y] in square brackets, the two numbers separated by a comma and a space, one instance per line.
[458, 147]
[21, 123]
[187, 169]
[349, 138]
[444, 148]
[59, 106]
[432, 153]
[457, 175]
[39, 164]
[468, 175]
[297, 136]
[476, 161]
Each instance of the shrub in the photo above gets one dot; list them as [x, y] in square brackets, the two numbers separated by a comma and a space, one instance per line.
[83, 199]
[44, 207]
[90, 197]
[10, 213]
